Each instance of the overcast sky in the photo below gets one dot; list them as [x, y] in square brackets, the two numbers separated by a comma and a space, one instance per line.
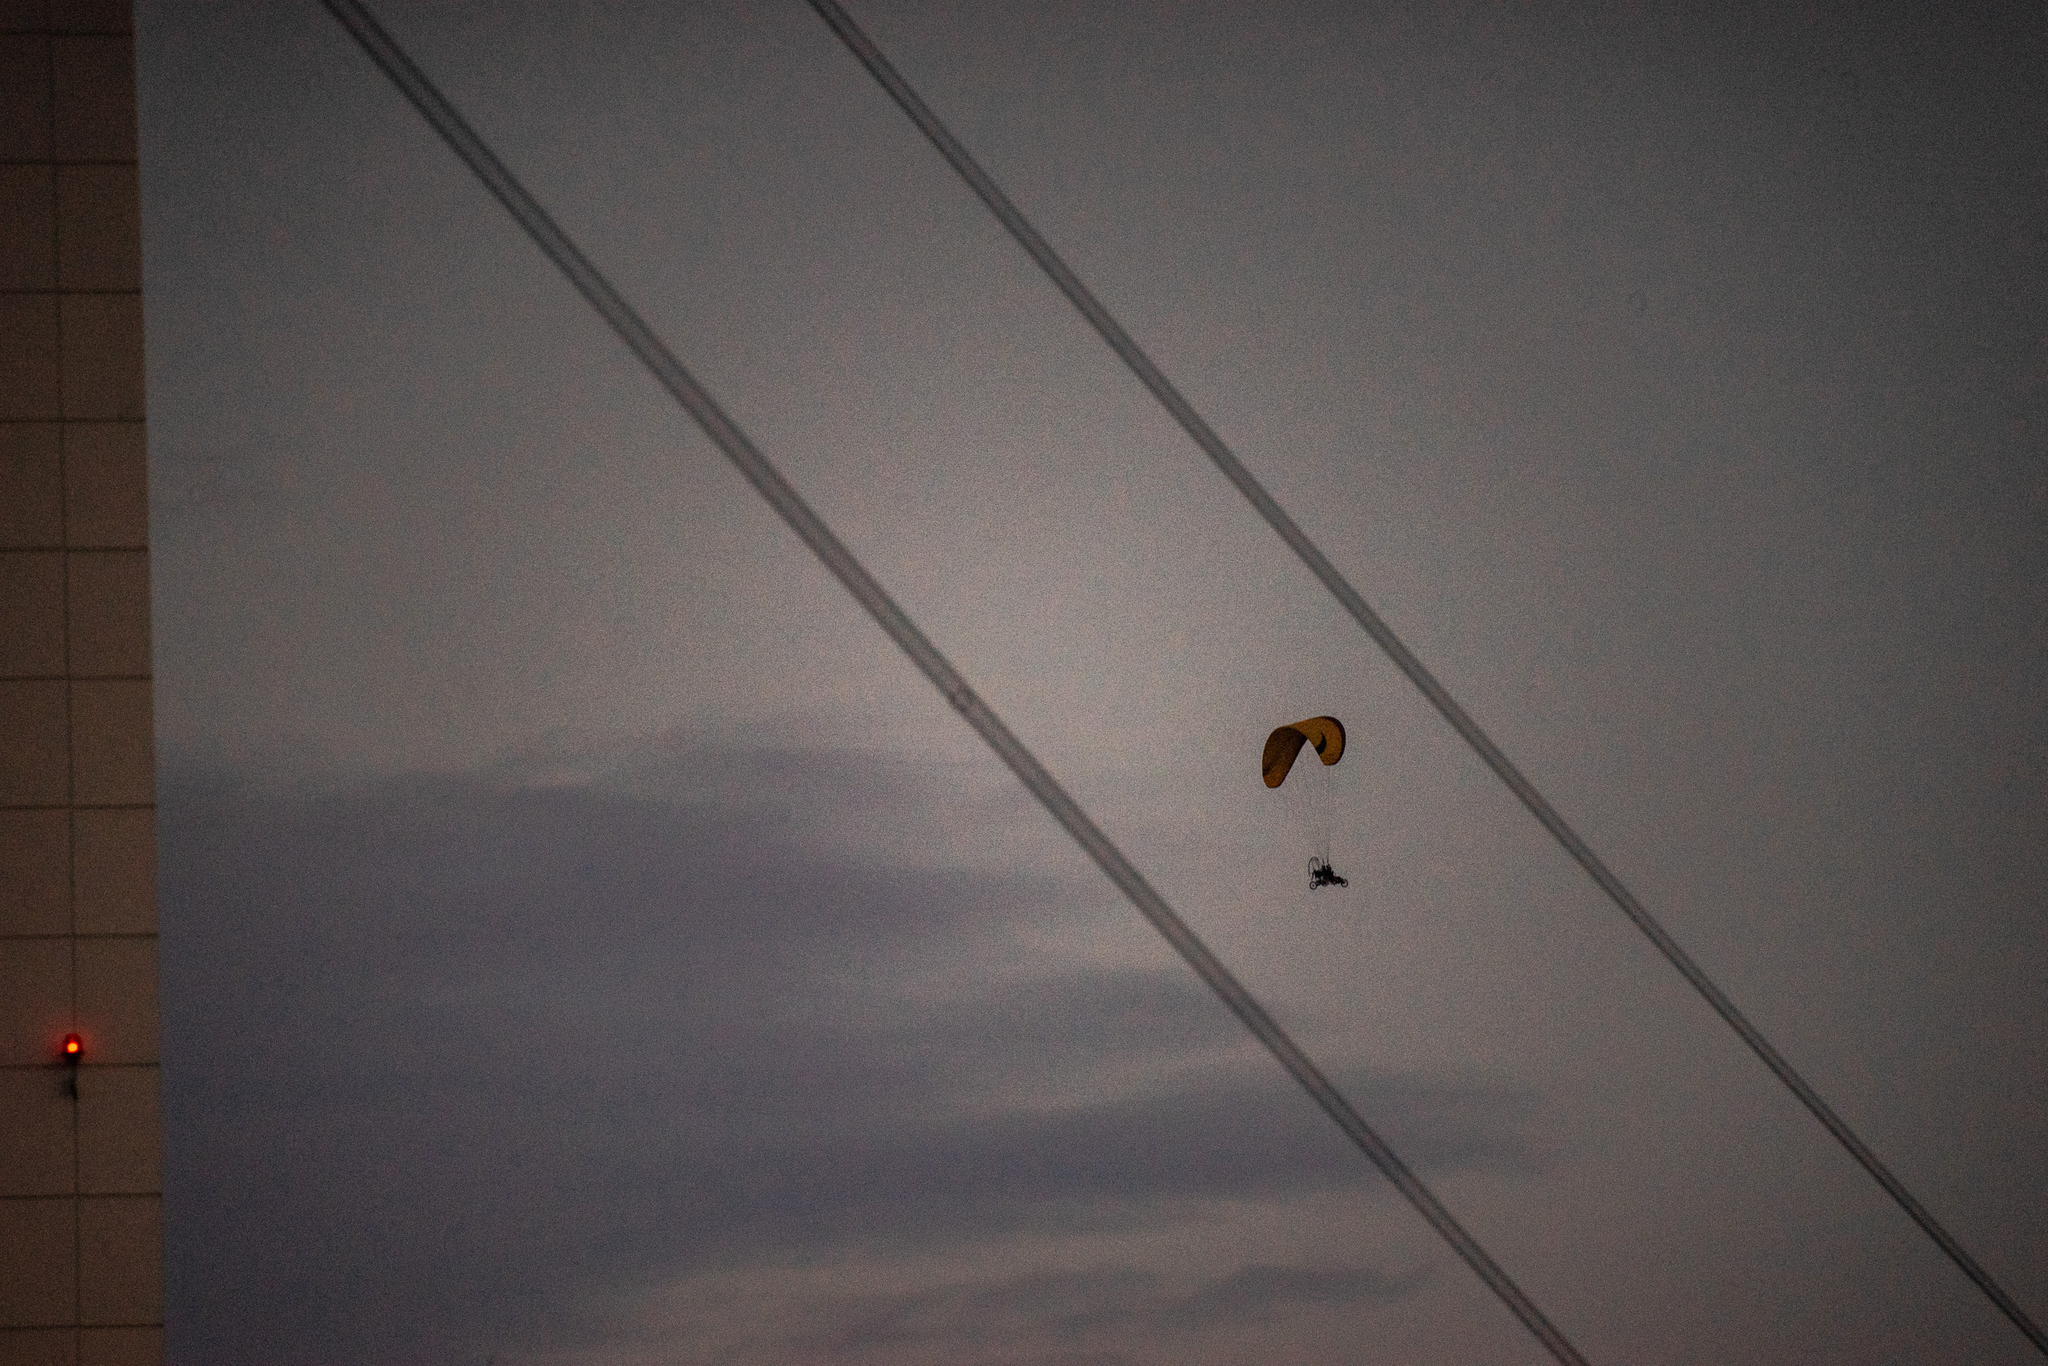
[585, 939]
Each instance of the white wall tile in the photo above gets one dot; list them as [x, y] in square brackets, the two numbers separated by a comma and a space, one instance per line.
[35, 1000]
[92, 98]
[35, 857]
[37, 1346]
[28, 226]
[106, 476]
[31, 613]
[24, 16]
[112, 748]
[113, 871]
[119, 1123]
[36, 1154]
[108, 604]
[90, 16]
[117, 999]
[102, 356]
[38, 1262]
[99, 222]
[31, 485]
[24, 98]
[121, 1347]
[28, 357]
[32, 749]
[121, 1259]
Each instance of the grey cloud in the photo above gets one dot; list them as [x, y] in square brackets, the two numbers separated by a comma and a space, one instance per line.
[1074, 1306]
[978, 1314]
[472, 1053]
[1261, 1288]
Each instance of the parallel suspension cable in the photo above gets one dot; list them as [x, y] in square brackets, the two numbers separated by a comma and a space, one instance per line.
[763, 475]
[1170, 398]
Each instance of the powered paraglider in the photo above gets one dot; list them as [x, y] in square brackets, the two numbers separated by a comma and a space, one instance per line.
[1325, 734]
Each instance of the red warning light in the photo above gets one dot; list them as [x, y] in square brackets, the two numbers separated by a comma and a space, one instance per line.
[73, 1046]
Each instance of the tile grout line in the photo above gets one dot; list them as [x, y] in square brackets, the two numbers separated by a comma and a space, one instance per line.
[70, 716]
[14, 936]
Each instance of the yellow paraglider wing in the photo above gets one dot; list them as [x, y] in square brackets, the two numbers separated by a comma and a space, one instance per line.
[1281, 747]
[1326, 733]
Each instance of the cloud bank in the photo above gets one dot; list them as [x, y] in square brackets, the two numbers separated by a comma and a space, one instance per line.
[470, 1066]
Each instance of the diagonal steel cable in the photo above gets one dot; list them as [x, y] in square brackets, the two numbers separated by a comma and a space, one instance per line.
[663, 365]
[1405, 659]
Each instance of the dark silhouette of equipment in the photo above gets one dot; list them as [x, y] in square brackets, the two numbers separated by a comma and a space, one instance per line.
[1321, 874]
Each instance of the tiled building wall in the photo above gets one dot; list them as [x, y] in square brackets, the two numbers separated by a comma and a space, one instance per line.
[81, 1209]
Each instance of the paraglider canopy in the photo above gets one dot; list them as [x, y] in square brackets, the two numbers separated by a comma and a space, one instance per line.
[1326, 733]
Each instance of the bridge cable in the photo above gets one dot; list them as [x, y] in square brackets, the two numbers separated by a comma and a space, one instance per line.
[726, 434]
[1405, 659]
